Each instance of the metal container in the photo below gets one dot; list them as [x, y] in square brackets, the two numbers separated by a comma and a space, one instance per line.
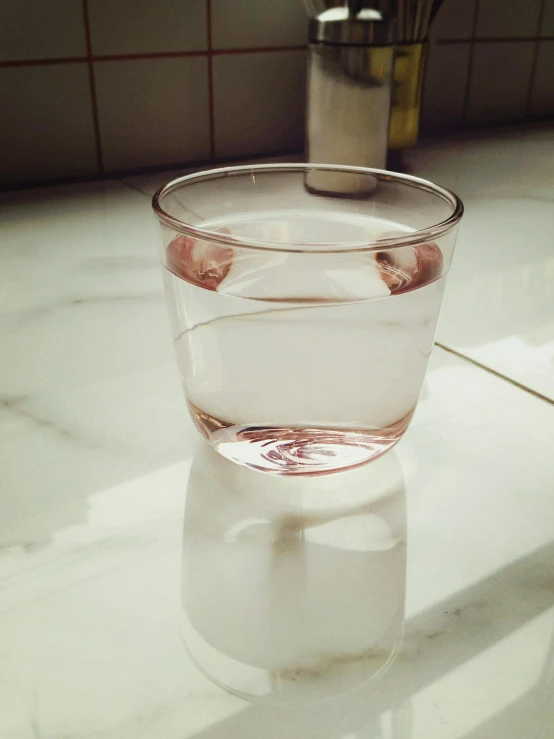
[350, 73]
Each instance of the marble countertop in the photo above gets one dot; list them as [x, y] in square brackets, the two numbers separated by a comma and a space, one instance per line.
[139, 572]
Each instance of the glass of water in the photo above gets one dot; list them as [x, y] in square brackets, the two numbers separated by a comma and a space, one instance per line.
[303, 301]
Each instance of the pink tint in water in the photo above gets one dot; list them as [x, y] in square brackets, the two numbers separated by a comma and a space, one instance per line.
[206, 264]
[203, 263]
[260, 434]
[297, 451]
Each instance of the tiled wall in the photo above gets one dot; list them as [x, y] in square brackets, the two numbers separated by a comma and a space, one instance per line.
[93, 86]
[490, 61]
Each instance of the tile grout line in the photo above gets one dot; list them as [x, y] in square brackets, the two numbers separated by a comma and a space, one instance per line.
[495, 373]
[495, 40]
[470, 65]
[42, 62]
[128, 184]
[162, 55]
[148, 55]
[534, 63]
[92, 83]
[257, 50]
[211, 115]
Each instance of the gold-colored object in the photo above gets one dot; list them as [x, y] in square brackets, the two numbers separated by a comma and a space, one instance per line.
[409, 70]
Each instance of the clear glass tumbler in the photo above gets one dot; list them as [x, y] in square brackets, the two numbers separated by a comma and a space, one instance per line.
[303, 300]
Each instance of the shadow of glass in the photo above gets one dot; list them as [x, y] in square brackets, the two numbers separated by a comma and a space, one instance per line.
[293, 589]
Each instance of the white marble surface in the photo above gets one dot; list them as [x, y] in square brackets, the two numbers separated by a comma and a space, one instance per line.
[499, 305]
[123, 543]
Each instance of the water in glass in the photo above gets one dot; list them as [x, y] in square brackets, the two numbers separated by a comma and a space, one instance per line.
[294, 362]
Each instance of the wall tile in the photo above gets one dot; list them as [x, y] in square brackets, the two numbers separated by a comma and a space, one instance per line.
[35, 29]
[153, 111]
[500, 79]
[542, 100]
[46, 127]
[454, 20]
[255, 24]
[444, 92]
[547, 25]
[147, 26]
[508, 18]
[259, 102]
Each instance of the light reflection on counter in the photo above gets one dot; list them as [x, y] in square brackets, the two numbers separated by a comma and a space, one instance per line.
[293, 589]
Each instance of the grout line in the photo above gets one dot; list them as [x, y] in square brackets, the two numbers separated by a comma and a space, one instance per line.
[450, 41]
[153, 55]
[211, 106]
[498, 39]
[258, 50]
[529, 100]
[92, 82]
[160, 55]
[470, 65]
[231, 52]
[126, 183]
[493, 372]
[44, 62]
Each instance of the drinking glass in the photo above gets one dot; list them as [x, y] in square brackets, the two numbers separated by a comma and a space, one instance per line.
[303, 302]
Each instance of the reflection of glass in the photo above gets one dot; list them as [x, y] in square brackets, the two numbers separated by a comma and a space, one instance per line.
[293, 588]
[304, 301]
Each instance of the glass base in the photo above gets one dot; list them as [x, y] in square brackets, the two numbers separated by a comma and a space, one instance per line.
[296, 451]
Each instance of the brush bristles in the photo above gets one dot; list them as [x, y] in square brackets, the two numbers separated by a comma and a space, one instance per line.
[413, 17]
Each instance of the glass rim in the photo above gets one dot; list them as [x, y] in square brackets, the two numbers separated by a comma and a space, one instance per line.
[420, 236]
